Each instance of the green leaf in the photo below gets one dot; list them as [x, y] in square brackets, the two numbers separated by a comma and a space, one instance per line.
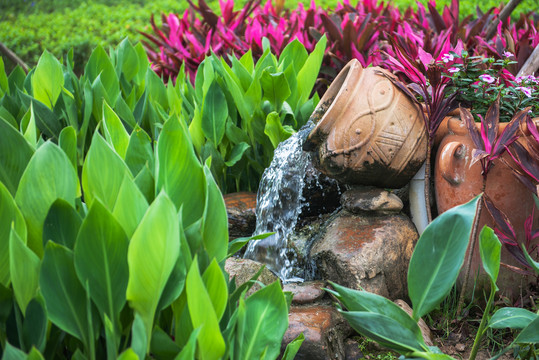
[128, 354]
[130, 207]
[10, 217]
[4, 85]
[35, 325]
[530, 334]
[68, 142]
[265, 321]
[47, 80]
[235, 245]
[114, 130]
[293, 347]
[356, 300]
[293, 54]
[275, 130]
[24, 268]
[48, 176]
[139, 152]
[30, 133]
[128, 60]
[215, 284]
[438, 257]
[215, 220]
[214, 114]
[12, 163]
[179, 172]
[156, 88]
[152, 254]
[139, 337]
[188, 351]
[514, 318]
[211, 342]
[309, 72]
[103, 173]
[34, 354]
[99, 66]
[384, 330]
[162, 346]
[533, 264]
[237, 153]
[490, 250]
[46, 120]
[275, 87]
[101, 260]
[61, 224]
[12, 353]
[64, 295]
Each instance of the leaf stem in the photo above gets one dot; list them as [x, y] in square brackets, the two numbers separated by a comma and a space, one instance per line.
[482, 325]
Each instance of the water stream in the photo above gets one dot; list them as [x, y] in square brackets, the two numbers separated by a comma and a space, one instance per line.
[280, 202]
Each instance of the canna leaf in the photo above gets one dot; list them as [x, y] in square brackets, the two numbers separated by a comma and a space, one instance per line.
[490, 250]
[275, 130]
[530, 334]
[61, 224]
[114, 131]
[214, 114]
[68, 142]
[215, 220]
[308, 73]
[47, 80]
[514, 318]
[275, 88]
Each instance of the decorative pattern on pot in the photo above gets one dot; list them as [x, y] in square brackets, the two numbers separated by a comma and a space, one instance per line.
[369, 132]
[456, 182]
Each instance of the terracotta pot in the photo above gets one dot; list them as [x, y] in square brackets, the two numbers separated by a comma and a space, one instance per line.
[369, 132]
[456, 182]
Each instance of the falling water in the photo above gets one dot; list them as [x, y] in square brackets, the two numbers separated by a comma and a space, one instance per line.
[279, 203]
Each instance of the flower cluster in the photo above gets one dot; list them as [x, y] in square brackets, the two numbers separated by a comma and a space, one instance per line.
[479, 80]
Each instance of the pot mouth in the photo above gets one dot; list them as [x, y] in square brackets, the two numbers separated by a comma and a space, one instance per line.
[334, 94]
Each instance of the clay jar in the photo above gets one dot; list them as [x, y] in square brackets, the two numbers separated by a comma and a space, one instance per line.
[369, 132]
[456, 182]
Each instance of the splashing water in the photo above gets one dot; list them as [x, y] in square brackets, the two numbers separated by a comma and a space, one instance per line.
[279, 203]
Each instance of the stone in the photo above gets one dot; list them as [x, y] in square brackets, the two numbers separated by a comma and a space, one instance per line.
[425, 330]
[361, 199]
[366, 251]
[306, 292]
[244, 270]
[241, 211]
[324, 330]
[352, 350]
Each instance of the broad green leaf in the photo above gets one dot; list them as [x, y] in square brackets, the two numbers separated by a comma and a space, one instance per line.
[162, 346]
[293, 54]
[12, 353]
[490, 250]
[438, 257]
[140, 343]
[266, 320]
[4, 85]
[34, 354]
[195, 130]
[514, 318]
[309, 72]
[30, 133]
[215, 220]
[123, 110]
[128, 354]
[247, 61]
[46, 120]
[275, 87]
[34, 331]
[68, 142]
[293, 347]
[237, 153]
[210, 341]
[48, 176]
[533, 264]
[24, 268]
[530, 334]
[215, 284]
[139, 152]
[188, 351]
[275, 130]
[235, 245]
[127, 60]
[47, 80]
[102, 173]
[112, 339]
[176, 281]
[101, 260]
[146, 183]
[384, 330]
[99, 65]
[179, 172]
[152, 253]
[64, 295]
[115, 132]
[12, 163]
[243, 75]
[214, 114]
[356, 300]
[61, 224]
[130, 207]
[10, 217]
[6, 116]
[156, 88]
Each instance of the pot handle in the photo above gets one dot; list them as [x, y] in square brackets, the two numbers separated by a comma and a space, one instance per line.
[451, 158]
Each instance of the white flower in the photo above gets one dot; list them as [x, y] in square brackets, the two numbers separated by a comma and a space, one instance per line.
[526, 90]
[508, 54]
[453, 70]
[447, 58]
[487, 78]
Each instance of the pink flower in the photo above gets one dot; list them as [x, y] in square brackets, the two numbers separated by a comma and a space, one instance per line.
[453, 70]
[447, 58]
[508, 54]
[526, 90]
[487, 78]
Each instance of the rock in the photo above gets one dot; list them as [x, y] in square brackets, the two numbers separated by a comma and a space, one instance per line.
[244, 270]
[460, 347]
[351, 349]
[241, 211]
[324, 330]
[361, 199]
[366, 251]
[306, 292]
[425, 330]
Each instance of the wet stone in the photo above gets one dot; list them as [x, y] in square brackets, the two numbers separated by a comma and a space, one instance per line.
[362, 199]
[240, 208]
[306, 292]
[324, 330]
[244, 269]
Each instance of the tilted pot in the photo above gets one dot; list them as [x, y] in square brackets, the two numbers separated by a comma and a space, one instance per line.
[368, 132]
[456, 182]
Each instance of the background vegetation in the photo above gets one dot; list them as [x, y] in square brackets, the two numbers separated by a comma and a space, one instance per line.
[29, 27]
